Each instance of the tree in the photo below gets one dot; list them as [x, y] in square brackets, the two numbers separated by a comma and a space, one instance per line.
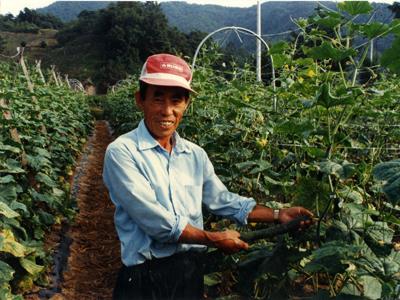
[124, 35]
[395, 8]
[2, 44]
[40, 20]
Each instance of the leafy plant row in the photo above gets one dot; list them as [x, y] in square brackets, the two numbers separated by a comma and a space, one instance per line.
[41, 134]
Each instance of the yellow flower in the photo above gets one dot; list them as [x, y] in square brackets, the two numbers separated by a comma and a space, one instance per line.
[310, 73]
[262, 143]
[300, 79]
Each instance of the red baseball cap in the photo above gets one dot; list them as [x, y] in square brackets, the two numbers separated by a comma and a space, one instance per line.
[166, 70]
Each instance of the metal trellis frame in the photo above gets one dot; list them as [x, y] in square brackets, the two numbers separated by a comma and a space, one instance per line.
[241, 30]
[75, 84]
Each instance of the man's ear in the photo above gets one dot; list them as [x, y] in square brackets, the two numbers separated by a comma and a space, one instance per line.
[188, 102]
[139, 100]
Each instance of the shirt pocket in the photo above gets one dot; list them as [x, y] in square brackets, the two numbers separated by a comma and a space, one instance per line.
[193, 199]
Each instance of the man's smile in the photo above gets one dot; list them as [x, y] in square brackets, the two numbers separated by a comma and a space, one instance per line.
[166, 124]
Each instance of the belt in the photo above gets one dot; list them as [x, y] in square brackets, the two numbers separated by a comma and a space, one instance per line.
[180, 257]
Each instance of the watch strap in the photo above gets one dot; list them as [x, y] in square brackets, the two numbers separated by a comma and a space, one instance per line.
[276, 215]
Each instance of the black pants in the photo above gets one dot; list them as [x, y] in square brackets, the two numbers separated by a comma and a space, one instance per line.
[179, 276]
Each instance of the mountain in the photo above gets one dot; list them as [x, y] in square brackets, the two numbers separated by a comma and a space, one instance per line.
[69, 10]
[188, 17]
[276, 15]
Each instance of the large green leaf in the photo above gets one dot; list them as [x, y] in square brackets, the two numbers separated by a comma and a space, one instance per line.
[8, 193]
[389, 174]
[5, 293]
[48, 198]
[6, 272]
[342, 170]
[254, 167]
[43, 152]
[10, 245]
[6, 211]
[9, 148]
[333, 257]
[350, 291]
[355, 7]
[11, 166]
[44, 178]
[395, 27]
[391, 57]
[45, 218]
[38, 162]
[30, 266]
[391, 263]
[380, 232]
[279, 47]
[373, 29]
[16, 226]
[330, 21]
[372, 288]
[14, 205]
[212, 279]
[325, 98]
[327, 51]
[387, 171]
[6, 179]
[280, 60]
[351, 194]
[357, 216]
[300, 128]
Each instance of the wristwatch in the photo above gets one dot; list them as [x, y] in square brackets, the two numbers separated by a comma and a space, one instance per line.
[276, 215]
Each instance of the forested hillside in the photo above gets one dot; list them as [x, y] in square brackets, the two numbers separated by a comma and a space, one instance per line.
[276, 15]
[69, 10]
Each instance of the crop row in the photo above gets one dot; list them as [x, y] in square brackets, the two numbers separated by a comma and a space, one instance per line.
[43, 127]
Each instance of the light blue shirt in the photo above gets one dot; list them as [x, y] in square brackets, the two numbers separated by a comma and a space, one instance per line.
[156, 194]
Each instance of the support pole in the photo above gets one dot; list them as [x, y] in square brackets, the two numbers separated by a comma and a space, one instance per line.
[371, 52]
[258, 54]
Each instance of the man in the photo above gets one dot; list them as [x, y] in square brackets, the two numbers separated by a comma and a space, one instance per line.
[158, 182]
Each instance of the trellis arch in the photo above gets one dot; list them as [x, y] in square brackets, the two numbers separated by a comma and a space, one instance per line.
[237, 30]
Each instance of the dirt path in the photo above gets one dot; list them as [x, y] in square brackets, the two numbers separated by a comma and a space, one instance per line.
[95, 252]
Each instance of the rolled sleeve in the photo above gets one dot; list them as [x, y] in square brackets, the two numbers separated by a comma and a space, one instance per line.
[131, 191]
[247, 206]
[178, 228]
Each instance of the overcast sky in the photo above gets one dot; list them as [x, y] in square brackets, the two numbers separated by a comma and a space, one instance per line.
[14, 6]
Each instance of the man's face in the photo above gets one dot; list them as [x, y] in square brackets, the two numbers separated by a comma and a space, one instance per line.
[163, 109]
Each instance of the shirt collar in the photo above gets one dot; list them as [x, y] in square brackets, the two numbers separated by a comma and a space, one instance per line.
[147, 141]
[180, 144]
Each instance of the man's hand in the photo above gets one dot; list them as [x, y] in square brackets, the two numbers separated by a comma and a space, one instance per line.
[291, 213]
[228, 241]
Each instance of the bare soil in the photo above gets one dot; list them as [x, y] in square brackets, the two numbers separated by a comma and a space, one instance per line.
[94, 253]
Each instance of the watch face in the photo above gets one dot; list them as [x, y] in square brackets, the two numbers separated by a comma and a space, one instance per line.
[276, 214]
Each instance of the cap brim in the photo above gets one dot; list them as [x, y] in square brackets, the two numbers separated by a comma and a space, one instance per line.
[167, 82]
